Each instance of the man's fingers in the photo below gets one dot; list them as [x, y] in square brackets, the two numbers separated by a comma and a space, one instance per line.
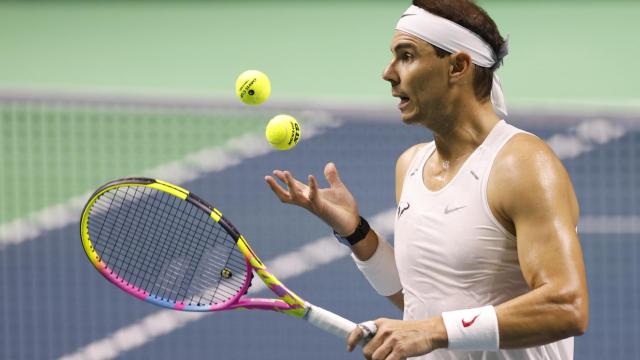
[287, 178]
[395, 356]
[372, 345]
[354, 338]
[279, 174]
[377, 340]
[281, 193]
[382, 351]
[294, 189]
[313, 188]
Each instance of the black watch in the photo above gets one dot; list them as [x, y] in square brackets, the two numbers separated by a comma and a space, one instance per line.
[361, 232]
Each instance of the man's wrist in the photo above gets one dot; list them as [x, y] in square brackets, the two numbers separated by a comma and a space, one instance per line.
[344, 232]
[360, 233]
[473, 329]
[365, 249]
[438, 331]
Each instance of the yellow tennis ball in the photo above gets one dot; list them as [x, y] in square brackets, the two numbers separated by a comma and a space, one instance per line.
[253, 87]
[283, 132]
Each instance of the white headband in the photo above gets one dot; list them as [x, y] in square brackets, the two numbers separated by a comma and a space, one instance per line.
[451, 37]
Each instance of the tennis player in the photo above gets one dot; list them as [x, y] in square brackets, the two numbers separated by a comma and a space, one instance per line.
[487, 262]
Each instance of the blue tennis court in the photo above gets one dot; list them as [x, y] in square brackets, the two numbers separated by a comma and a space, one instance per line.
[55, 305]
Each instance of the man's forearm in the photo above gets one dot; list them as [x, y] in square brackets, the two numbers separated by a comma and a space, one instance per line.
[542, 316]
[366, 247]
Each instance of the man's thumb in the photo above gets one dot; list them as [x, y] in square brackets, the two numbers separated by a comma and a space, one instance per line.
[331, 174]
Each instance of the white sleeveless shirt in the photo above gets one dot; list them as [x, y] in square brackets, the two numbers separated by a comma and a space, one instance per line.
[453, 254]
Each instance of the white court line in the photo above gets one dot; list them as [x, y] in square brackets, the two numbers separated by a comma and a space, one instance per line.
[579, 140]
[191, 167]
[307, 258]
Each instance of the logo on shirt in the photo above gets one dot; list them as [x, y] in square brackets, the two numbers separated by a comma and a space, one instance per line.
[404, 206]
[469, 323]
[448, 210]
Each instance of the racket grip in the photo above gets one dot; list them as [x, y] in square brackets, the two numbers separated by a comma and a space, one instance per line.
[335, 324]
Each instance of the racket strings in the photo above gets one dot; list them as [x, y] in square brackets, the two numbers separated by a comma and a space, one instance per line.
[112, 253]
[166, 246]
[126, 222]
[174, 271]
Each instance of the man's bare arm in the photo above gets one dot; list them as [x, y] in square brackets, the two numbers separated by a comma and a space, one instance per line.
[531, 193]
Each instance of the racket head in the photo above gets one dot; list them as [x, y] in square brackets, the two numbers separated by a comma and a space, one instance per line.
[162, 244]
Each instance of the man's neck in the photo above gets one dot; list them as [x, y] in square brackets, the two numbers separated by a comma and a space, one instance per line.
[464, 130]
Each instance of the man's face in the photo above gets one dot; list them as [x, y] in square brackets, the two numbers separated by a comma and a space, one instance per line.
[418, 78]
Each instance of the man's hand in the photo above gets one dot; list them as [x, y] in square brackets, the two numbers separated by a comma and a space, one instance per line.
[399, 339]
[334, 205]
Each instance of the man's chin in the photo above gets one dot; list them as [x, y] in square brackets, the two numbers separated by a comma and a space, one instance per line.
[408, 117]
[414, 118]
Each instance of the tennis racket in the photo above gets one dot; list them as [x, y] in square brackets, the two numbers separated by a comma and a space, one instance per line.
[162, 244]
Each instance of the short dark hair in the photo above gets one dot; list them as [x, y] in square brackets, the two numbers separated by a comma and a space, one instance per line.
[468, 14]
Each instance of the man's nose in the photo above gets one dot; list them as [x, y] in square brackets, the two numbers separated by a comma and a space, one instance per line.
[389, 74]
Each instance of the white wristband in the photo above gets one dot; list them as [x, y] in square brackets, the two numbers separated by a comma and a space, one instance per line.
[472, 329]
[380, 269]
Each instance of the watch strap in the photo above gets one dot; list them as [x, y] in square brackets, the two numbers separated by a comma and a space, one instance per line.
[360, 233]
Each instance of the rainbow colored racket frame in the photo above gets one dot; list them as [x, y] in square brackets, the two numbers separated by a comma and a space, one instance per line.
[288, 302]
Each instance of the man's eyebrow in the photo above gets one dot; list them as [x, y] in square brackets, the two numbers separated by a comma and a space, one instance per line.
[404, 45]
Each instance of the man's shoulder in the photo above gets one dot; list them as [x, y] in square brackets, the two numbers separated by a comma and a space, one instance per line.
[404, 160]
[526, 163]
[408, 154]
[524, 151]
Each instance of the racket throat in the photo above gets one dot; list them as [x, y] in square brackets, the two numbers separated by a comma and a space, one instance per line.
[278, 305]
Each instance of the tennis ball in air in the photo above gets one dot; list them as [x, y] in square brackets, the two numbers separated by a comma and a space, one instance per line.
[283, 132]
[253, 87]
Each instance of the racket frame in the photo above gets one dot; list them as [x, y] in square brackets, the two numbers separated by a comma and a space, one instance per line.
[287, 302]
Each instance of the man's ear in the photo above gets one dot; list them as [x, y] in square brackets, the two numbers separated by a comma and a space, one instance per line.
[459, 66]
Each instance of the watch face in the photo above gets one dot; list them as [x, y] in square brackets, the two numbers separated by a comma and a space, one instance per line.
[341, 239]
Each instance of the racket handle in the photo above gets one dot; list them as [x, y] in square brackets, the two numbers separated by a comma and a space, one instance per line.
[335, 324]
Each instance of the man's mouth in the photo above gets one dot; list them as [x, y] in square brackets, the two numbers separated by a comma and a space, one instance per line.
[404, 100]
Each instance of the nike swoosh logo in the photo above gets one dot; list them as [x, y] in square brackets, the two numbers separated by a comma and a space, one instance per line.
[403, 15]
[469, 323]
[448, 211]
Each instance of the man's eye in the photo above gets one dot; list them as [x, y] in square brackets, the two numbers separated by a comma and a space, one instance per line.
[406, 56]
